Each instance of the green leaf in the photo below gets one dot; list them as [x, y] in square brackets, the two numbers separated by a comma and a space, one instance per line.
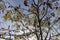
[50, 28]
[14, 12]
[32, 10]
[45, 31]
[7, 16]
[35, 22]
[12, 19]
[53, 0]
[55, 21]
[44, 23]
[52, 14]
[41, 1]
[17, 38]
[0, 0]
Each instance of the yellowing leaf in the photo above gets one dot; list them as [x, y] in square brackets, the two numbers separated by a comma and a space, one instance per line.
[32, 10]
[53, 0]
[19, 15]
[18, 26]
[44, 23]
[52, 14]
[41, 1]
[2, 35]
[12, 19]
[16, 19]
[45, 31]
[9, 11]
[35, 22]
[14, 12]
[17, 38]
[55, 21]
[7, 16]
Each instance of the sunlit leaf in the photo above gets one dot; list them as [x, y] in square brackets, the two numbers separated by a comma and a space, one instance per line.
[55, 21]
[45, 31]
[18, 26]
[33, 11]
[52, 14]
[35, 22]
[16, 16]
[45, 23]
[50, 28]
[7, 16]
[2, 35]
[12, 19]
[14, 12]
[20, 15]
[41, 1]
[17, 38]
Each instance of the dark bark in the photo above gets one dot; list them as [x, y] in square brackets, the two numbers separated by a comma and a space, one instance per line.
[47, 34]
[36, 34]
[39, 23]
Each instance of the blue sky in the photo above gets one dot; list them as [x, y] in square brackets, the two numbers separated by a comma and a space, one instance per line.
[13, 3]
[3, 23]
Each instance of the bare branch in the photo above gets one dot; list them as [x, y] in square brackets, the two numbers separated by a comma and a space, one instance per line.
[50, 37]
[46, 11]
[47, 34]
[55, 35]
[54, 29]
[34, 3]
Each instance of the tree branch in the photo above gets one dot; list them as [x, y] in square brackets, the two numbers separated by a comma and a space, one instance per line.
[50, 37]
[36, 34]
[54, 29]
[46, 11]
[34, 3]
[47, 34]
[56, 35]
[39, 23]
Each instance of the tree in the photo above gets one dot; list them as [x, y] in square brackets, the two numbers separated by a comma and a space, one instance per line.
[39, 16]
[42, 17]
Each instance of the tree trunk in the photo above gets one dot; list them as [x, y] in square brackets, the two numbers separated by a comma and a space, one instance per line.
[39, 20]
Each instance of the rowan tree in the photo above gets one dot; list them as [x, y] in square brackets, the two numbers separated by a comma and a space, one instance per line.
[43, 16]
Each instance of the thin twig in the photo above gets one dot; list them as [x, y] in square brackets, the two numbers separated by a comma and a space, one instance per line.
[34, 3]
[56, 35]
[46, 11]
[50, 36]
[47, 34]
[54, 29]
